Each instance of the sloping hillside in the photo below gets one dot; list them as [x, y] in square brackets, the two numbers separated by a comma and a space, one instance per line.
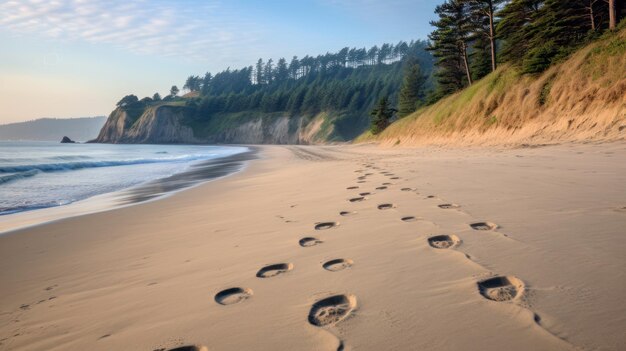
[582, 98]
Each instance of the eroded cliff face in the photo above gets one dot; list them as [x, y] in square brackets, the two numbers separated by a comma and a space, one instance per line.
[166, 124]
[156, 125]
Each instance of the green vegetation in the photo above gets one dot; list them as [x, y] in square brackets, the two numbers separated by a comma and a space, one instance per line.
[342, 87]
[470, 40]
[412, 92]
[381, 116]
[533, 35]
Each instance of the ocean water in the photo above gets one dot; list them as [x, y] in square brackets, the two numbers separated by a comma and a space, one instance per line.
[36, 175]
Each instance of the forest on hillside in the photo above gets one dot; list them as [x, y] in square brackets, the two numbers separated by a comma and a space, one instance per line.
[470, 39]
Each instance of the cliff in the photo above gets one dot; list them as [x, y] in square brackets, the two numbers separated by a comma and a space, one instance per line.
[170, 124]
[156, 125]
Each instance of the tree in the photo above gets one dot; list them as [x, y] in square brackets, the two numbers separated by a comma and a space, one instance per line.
[294, 68]
[514, 27]
[412, 90]
[268, 73]
[127, 100]
[174, 91]
[193, 83]
[206, 83]
[381, 116]
[483, 14]
[156, 97]
[612, 14]
[282, 71]
[449, 42]
[259, 71]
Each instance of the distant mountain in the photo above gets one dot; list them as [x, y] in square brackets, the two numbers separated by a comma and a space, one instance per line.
[53, 129]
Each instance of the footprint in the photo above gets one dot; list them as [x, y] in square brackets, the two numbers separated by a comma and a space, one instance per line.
[407, 189]
[385, 206]
[444, 241]
[331, 310]
[309, 241]
[448, 206]
[430, 196]
[347, 213]
[190, 348]
[233, 295]
[394, 178]
[361, 181]
[501, 288]
[381, 188]
[325, 225]
[409, 219]
[274, 270]
[483, 226]
[365, 193]
[387, 184]
[368, 174]
[338, 264]
[357, 199]
[362, 178]
[352, 187]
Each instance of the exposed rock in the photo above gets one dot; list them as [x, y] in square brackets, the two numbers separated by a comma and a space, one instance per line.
[165, 124]
[157, 125]
[67, 140]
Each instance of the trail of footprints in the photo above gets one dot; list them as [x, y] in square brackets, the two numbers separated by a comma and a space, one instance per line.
[333, 309]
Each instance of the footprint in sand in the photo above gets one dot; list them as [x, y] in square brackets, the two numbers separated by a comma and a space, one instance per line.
[394, 178]
[347, 213]
[331, 310]
[448, 206]
[274, 270]
[188, 348]
[233, 295]
[362, 181]
[430, 196]
[444, 241]
[483, 226]
[385, 206]
[362, 178]
[325, 225]
[338, 264]
[357, 199]
[309, 241]
[407, 189]
[501, 288]
[408, 219]
[387, 184]
[365, 193]
[381, 188]
[352, 187]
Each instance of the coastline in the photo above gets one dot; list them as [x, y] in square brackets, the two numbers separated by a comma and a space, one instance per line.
[197, 174]
[146, 276]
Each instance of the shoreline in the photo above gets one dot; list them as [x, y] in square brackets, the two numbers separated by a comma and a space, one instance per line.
[196, 174]
[157, 275]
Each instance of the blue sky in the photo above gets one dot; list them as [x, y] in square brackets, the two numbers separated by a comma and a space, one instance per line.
[72, 58]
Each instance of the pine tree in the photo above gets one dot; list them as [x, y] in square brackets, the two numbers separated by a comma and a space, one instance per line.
[412, 91]
[449, 43]
[259, 69]
[381, 115]
[484, 22]
[282, 71]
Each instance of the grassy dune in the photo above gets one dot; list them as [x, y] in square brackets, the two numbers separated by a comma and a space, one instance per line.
[581, 98]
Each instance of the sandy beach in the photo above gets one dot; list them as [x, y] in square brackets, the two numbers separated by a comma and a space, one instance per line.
[404, 249]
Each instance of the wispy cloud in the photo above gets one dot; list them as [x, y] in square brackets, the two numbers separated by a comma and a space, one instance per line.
[192, 30]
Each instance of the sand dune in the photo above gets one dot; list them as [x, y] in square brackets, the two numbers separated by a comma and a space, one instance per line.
[340, 248]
